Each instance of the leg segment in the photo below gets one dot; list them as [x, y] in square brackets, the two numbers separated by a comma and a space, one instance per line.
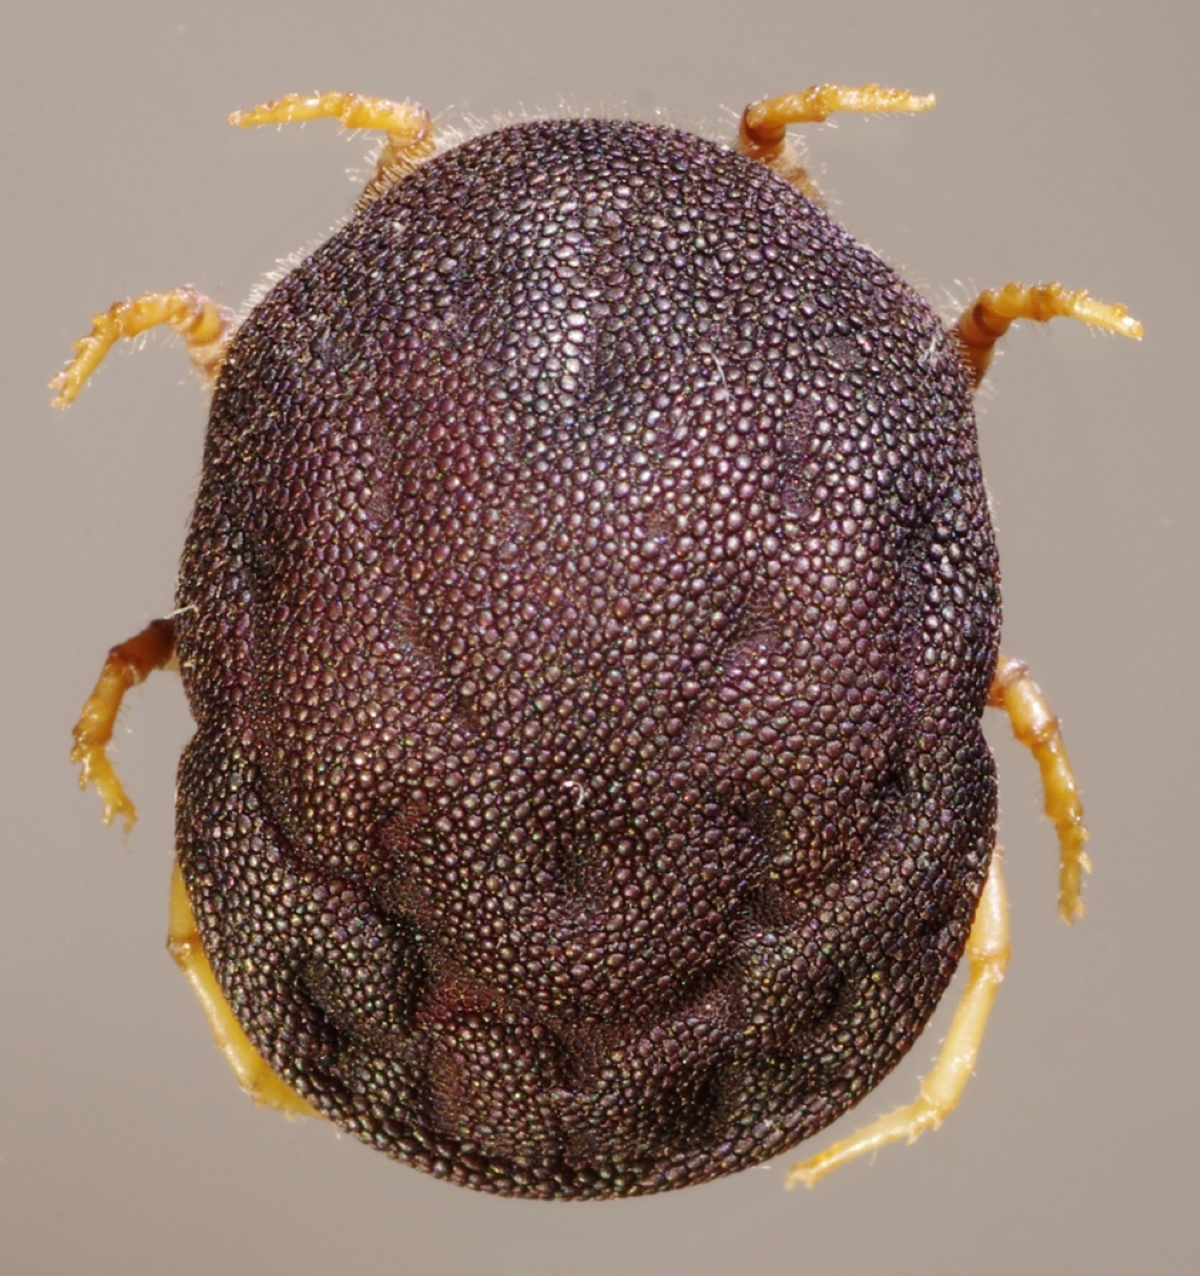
[987, 319]
[251, 1069]
[1036, 727]
[987, 953]
[126, 666]
[201, 323]
[763, 132]
[410, 138]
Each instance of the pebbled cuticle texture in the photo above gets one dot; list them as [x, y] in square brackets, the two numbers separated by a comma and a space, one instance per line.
[588, 614]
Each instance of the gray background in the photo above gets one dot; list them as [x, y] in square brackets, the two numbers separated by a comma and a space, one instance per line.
[1064, 146]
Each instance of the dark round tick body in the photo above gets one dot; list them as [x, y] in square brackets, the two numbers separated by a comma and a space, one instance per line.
[588, 614]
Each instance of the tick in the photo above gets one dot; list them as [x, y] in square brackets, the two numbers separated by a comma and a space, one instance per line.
[588, 615]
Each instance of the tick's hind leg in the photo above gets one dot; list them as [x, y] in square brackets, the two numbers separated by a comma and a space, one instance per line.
[988, 317]
[127, 665]
[762, 134]
[409, 130]
[203, 325]
[253, 1073]
[987, 953]
[1036, 727]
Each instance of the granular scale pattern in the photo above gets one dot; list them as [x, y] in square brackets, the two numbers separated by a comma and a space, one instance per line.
[588, 614]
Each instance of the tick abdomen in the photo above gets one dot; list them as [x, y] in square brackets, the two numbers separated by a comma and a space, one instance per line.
[588, 613]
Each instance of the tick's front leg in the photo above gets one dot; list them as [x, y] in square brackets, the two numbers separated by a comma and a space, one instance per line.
[762, 134]
[408, 130]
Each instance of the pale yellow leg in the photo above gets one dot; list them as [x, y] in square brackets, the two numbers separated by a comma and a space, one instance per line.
[203, 325]
[410, 136]
[253, 1073]
[763, 132]
[987, 953]
[1036, 727]
[127, 665]
[987, 319]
